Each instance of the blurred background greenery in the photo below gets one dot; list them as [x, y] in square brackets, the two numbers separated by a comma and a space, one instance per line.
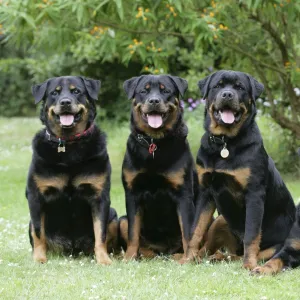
[113, 40]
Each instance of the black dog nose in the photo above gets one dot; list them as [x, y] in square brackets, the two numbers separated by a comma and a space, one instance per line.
[65, 102]
[154, 101]
[227, 95]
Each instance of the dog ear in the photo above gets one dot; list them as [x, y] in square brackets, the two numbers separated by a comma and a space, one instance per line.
[204, 84]
[256, 87]
[92, 86]
[180, 83]
[130, 85]
[39, 91]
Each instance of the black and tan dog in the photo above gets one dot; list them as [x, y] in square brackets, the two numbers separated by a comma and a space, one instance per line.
[69, 178]
[237, 177]
[157, 170]
[289, 255]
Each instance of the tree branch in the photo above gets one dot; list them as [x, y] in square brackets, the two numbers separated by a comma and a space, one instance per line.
[253, 58]
[117, 27]
[286, 123]
[265, 82]
[271, 29]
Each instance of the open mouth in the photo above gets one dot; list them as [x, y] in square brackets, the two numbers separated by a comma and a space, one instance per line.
[154, 119]
[67, 119]
[228, 116]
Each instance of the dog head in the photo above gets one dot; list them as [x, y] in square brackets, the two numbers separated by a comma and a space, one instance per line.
[155, 109]
[68, 103]
[230, 101]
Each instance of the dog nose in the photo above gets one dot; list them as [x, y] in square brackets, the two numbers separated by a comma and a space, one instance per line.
[65, 102]
[227, 95]
[154, 101]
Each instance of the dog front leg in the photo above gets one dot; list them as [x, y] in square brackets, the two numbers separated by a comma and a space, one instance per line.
[100, 213]
[37, 227]
[205, 208]
[252, 237]
[184, 211]
[134, 227]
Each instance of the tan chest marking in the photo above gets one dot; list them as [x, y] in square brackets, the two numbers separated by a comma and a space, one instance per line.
[201, 171]
[175, 178]
[295, 244]
[130, 176]
[97, 181]
[44, 183]
[241, 175]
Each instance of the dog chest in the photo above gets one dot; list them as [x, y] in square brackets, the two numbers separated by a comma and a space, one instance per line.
[144, 180]
[234, 179]
[227, 187]
[56, 186]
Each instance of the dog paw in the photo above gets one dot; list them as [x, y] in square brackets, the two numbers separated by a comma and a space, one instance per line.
[217, 257]
[147, 253]
[177, 256]
[185, 260]
[103, 259]
[263, 270]
[129, 256]
[271, 267]
[249, 266]
[40, 257]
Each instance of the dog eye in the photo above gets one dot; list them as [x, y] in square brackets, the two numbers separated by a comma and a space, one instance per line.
[54, 93]
[166, 91]
[75, 91]
[143, 92]
[217, 86]
[240, 87]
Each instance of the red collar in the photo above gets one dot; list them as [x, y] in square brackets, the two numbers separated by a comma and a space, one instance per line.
[63, 140]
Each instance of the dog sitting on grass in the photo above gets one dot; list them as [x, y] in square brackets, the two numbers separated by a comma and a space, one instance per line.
[68, 186]
[237, 177]
[158, 171]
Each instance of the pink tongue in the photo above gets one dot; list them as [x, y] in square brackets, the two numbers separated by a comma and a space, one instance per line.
[227, 116]
[66, 120]
[154, 121]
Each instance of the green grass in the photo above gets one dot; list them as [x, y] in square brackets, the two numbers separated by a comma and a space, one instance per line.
[80, 278]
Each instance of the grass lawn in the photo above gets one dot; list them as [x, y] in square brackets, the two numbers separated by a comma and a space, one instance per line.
[80, 278]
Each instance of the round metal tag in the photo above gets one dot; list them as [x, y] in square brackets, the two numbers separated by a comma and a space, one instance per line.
[224, 153]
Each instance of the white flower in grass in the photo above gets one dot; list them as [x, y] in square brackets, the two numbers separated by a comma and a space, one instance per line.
[13, 264]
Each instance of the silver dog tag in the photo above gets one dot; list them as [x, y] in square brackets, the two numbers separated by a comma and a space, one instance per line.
[224, 152]
[61, 149]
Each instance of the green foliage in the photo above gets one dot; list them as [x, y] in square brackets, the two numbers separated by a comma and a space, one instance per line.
[188, 38]
[14, 92]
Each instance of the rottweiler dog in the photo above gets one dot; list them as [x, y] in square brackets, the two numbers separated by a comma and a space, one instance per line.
[158, 170]
[237, 177]
[289, 255]
[68, 186]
